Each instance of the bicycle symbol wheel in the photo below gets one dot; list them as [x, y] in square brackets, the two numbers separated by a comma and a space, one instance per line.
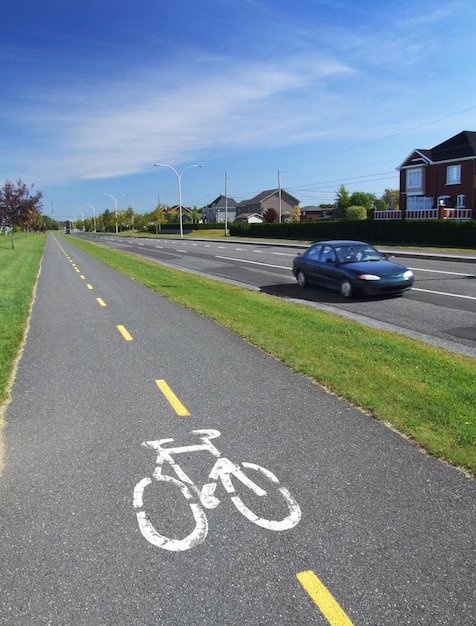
[149, 531]
[293, 509]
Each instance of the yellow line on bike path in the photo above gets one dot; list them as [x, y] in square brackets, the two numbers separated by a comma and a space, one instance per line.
[124, 332]
[328, 606]
[172, 398]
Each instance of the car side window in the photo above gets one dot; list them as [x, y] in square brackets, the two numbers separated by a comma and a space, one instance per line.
[314, 253]
[328, 254]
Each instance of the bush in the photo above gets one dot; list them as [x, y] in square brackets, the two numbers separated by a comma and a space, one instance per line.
[356, 213]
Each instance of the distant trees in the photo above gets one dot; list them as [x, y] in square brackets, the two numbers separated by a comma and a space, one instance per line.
[18, 207]
[346, 201]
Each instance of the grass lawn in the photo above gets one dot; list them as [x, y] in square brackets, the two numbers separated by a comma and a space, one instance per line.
[18, 272]
[423, 391]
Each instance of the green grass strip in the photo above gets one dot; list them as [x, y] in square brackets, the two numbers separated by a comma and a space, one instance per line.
[425, 392]
[18, 272]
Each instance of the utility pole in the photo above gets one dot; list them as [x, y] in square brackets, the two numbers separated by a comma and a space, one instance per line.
[279, 191]
[226, 204]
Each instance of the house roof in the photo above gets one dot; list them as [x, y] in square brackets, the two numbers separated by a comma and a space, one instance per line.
[458, 147]
[220, 202]
[264, 195]
[245, 216]
[461, 146]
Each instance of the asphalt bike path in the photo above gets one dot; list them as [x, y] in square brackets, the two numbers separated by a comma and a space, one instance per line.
[262, 499]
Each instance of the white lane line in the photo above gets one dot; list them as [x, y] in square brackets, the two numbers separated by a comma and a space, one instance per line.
[444, 293]
[276, 253]
[230, 258]
[419, 269]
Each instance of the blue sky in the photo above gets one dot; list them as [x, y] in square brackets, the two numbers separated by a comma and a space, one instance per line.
[327, 92]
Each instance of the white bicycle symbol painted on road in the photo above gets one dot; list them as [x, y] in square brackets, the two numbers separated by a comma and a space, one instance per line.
[204, 498]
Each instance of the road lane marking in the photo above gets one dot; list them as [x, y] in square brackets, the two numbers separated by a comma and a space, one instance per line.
[179, 408]
[101, 301]
[83, 277]
[230, 258]
[89, 286]
[443, 293]
[124, 332]
[323, 599]
[420, 269]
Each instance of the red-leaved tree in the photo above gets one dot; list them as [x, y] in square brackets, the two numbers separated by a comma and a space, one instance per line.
[18, 207]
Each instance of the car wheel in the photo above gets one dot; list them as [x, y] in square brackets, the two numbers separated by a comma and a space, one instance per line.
[301, 279]
[346, 289]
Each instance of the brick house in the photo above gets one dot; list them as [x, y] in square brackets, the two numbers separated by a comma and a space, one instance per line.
[269, 200]
[440, 183]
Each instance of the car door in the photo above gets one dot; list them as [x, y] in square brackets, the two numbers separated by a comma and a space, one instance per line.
[311, 263]
[328, 272]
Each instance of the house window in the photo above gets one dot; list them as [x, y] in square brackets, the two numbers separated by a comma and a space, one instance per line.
[444, 201]
[414, 179]
[460, 201]
[453, 174]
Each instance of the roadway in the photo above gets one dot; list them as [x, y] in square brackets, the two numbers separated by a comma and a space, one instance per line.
[381, 534]
[440, 309]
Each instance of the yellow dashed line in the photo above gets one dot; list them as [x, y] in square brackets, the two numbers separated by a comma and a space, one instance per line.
[323, 599]
[172, 398]
[124, 333]
[89, 286]
[101, 302]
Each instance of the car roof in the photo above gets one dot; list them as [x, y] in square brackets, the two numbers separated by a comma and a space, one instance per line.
[342, 242]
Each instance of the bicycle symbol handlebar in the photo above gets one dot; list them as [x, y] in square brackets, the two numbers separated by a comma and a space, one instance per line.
[200, 499]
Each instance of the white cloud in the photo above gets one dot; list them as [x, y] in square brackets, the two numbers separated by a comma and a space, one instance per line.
[162, 117]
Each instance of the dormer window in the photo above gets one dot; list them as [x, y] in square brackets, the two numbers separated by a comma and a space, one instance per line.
[453, 175]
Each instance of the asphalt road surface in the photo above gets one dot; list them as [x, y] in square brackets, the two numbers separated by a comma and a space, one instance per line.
[356, 527]
[440, 309]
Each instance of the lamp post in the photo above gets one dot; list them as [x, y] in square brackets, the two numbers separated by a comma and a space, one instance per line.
[82, 218]
[115, 205]
[94, 215]
[179, 179]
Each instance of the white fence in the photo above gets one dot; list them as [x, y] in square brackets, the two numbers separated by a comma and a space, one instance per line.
[424, 214]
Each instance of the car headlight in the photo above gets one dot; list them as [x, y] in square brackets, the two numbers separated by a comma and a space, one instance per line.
[408, 274]
[368, 277]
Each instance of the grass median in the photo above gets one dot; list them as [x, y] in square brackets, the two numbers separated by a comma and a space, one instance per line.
[424, 392]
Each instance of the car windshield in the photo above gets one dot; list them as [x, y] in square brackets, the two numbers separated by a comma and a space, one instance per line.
[355, 253]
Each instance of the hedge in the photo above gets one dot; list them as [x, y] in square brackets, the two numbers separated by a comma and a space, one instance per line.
[403, 232]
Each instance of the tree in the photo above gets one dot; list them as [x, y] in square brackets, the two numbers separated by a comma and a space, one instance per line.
[18, 208]
[270, 215]
[296, 216]
[361, 198]
[342, 201]
[391, 198]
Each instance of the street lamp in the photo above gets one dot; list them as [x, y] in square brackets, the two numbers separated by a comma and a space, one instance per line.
[94, 215]
[179, 178]
[115, 205]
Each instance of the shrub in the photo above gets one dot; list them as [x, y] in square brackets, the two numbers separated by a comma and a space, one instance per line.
[356, 213]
